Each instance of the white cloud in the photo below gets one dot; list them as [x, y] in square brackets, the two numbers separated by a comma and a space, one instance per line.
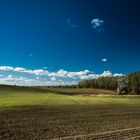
[40, 72]
[106, 74]
[36, 72]
[118, 74]
[6, 68]
[95, 76]
[44, 77]
[104, 60]
[97, 24]
[24, 70]
[20, 69]
[89, 76]
[22, 81]
[37, 78]
[53, 79]
[10, 78]
[68, 74]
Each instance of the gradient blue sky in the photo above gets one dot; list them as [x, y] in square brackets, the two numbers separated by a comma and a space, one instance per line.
[73, 35]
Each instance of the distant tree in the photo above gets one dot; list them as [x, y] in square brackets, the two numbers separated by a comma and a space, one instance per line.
[122, 84]
[135, 84]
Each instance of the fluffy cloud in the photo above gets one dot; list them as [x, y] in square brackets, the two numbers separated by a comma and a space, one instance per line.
[68, 74]
[106, 74]
[89, 76]
[53, 78]
[22, 81]
[11, 79]
[24, 70]
[104, 60]
[95, 76]
[97, 24]
[118, 74]
[40, 72]
[6, 68]
[20, 69]
[44, 77]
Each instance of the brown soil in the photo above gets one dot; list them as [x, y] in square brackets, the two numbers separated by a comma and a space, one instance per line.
[102, 123]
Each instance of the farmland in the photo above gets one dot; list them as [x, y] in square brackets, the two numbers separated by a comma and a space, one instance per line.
[42, 113]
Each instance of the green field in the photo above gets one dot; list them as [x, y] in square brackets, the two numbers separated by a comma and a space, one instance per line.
[19, 98]
[48, 113]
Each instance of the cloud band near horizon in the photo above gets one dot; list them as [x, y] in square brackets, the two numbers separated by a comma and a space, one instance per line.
[43, 77]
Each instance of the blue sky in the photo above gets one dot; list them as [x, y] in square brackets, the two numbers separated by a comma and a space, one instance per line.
[44, 42]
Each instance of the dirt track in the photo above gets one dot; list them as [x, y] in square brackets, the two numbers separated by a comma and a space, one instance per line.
[131, 133]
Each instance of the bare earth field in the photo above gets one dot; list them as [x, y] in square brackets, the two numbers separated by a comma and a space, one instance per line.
[71, 123]
[66, 117]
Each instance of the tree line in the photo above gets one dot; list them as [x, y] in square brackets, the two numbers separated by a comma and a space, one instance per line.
[129, 84]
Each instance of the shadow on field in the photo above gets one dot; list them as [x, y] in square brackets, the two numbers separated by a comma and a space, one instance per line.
[63, 91]
[21, 89]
